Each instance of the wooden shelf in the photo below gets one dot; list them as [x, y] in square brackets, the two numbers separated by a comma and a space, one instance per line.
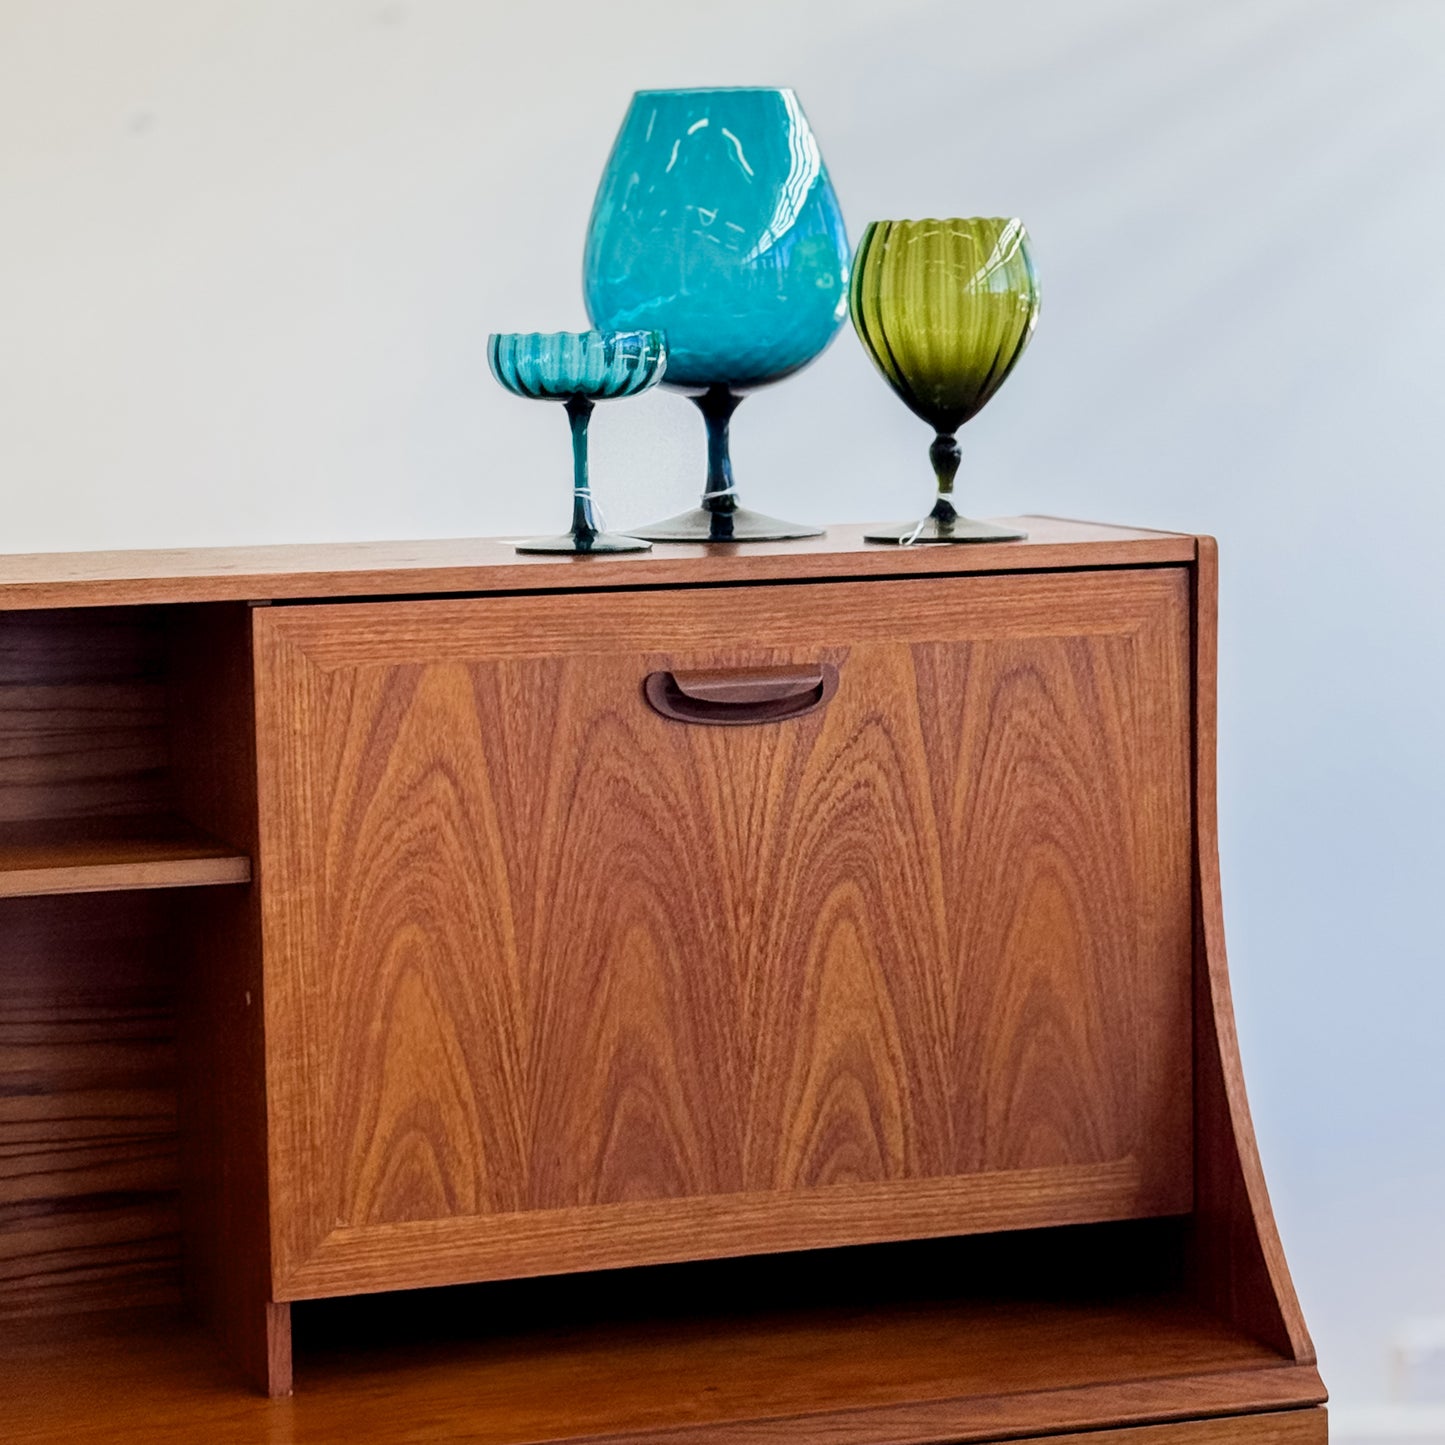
[1028, 1333]
[898, 1372]
[107, 855]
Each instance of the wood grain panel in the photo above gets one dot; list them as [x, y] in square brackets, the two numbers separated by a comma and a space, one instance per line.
[353, 1260]
[82, 715]
[957, 1422]
[88, 1173]
[1276, 1427]
[533, 950]
[382, 569]
[999, 608]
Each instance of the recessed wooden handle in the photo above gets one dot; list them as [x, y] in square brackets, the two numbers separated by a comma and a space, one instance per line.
[735, 697]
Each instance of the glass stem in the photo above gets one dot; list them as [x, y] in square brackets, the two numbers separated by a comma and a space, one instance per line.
[944, 455]
[717, 405]
[584, 518]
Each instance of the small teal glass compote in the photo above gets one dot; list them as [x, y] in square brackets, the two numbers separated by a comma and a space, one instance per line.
[579, 369]
[715, 221]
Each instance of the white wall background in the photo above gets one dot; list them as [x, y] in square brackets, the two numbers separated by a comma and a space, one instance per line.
[250, 251]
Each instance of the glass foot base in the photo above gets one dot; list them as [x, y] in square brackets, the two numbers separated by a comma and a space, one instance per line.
[595, 544]
[742, 525]
[930, 529]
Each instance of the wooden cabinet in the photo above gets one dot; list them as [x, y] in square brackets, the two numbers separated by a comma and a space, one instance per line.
[822, 938]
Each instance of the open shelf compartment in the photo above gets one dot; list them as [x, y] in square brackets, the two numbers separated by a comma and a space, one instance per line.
[112, 736]
[987, 1338]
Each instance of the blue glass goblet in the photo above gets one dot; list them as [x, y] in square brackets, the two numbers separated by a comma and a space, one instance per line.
[579, 369]
[716, 222]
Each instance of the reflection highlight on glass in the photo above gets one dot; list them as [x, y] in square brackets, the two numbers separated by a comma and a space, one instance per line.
[715, 221]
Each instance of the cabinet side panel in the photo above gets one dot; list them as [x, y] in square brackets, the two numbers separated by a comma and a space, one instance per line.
[1237, 1260]
[223, 1100]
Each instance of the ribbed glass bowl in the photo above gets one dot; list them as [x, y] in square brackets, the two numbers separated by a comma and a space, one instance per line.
[945, 309]
[579, 369]
[556, 365]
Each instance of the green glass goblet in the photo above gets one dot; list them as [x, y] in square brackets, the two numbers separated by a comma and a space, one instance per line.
[579, 369]
[944, 309]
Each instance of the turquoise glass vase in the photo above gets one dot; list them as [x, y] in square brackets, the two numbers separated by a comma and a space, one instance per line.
[716, 222]
[579, 369]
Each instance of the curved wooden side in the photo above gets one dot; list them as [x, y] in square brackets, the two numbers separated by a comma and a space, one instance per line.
[1237, 1262]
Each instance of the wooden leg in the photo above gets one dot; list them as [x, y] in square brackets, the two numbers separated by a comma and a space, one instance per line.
[276, 1381]
[257, 1344]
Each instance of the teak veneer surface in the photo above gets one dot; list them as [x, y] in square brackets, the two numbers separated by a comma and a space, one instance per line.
[1276, 1427]
[82, 715]
[903, 1375]
[918, 963]
[376, 569]
[88, 1169]
[110, 854]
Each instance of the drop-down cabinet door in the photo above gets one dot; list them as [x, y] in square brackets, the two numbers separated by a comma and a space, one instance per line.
[613, 928]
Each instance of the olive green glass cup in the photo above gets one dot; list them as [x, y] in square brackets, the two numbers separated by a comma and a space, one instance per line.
[944, 309]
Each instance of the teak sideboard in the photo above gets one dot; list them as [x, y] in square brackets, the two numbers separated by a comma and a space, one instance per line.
[735, 995]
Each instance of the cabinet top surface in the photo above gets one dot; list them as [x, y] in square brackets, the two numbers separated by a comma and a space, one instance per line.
[380, 569]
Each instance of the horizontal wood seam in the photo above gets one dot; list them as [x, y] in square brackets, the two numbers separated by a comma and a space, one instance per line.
[1312, 1394]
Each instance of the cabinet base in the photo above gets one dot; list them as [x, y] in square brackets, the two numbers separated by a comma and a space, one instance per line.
[136, 1378]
